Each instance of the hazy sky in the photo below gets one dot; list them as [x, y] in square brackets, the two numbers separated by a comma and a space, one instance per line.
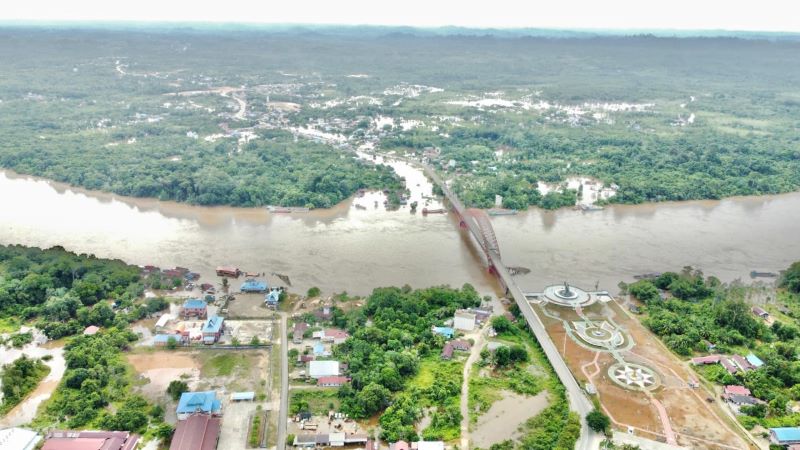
[762, 15]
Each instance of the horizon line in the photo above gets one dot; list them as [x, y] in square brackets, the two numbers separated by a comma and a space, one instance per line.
[172, 23]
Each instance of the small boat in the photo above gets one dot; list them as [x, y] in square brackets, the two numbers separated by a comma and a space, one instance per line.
[360, 206]
[588, 208]
[501, 212]
[647, 276]
[433, 211]
[287, 209]
[759, 274]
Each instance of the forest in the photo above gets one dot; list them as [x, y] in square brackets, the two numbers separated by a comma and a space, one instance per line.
[700, 309]
[62, 292]
[155, 112]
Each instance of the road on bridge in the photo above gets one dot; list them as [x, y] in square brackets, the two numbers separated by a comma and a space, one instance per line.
[578, 400]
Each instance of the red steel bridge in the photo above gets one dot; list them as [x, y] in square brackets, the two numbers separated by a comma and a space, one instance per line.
[479, 225]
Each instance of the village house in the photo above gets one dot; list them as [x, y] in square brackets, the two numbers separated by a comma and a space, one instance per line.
[90, 440]
[334, 335]
[228, 271]
[464, 320]
[729, 366]
[427, 445]
[447, 332]
[332, 381]
[742, 363]
[458, 344]
[323, 314]
[198, 402]
[272, 298]
[298, 332]
[784, 436]
[730, 390]
[319, 369]
[91, 330]
[18, 439]
[212, 329]
[754, 360]
[705, 360]
[197, 432]
[760, 312]
[195, 307]
[399, 445]
[250, 285]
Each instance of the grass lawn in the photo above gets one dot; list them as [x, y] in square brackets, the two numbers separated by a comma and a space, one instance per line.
[9, 325]
[224, 364]
[317, 400]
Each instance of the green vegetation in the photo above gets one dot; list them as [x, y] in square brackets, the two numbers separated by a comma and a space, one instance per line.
[19, 378]
[62, 292]
[313, 292]
[790, 279]
[394, 363]
[255, 426]
[598, 421]
[553, 428]
[316, 401]
[224, 363]
[97, 378]
[176, 388]
[704, 309]
[98, 109]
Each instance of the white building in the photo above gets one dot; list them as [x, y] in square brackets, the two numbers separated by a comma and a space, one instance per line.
[427, 445]
[317, 369]
[18, 439]
[464, 320]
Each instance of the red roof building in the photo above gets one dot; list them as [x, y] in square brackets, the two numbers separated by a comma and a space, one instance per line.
[703, 360]
[335, 335]
[736, 390]
[332, 381]
[399, 445]
[90, 440]
[729, 366]
[228, 271]
[197, 432]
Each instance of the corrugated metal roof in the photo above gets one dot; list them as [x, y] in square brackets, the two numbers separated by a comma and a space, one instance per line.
[194, 303]
[198, 432]
[786, 434]
[243, 396]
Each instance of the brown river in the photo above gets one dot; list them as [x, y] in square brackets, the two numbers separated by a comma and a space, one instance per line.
[359, 245]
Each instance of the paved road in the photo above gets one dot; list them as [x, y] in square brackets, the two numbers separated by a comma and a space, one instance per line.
[283, 415]
[578, 400]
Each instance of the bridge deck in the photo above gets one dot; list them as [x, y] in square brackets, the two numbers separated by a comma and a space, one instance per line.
[578, 400]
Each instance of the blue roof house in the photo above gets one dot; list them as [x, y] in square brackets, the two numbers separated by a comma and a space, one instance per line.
[212, 329]
[272, 298]
[784, 435]
[754, 360]
[194, 307]
[444, 331]
[319, 349]
[203, 402]
[251, 285]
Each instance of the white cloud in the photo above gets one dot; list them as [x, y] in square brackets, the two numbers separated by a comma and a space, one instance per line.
[764, 15]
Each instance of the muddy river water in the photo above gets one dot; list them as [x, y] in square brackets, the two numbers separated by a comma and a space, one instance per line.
[359, 245]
